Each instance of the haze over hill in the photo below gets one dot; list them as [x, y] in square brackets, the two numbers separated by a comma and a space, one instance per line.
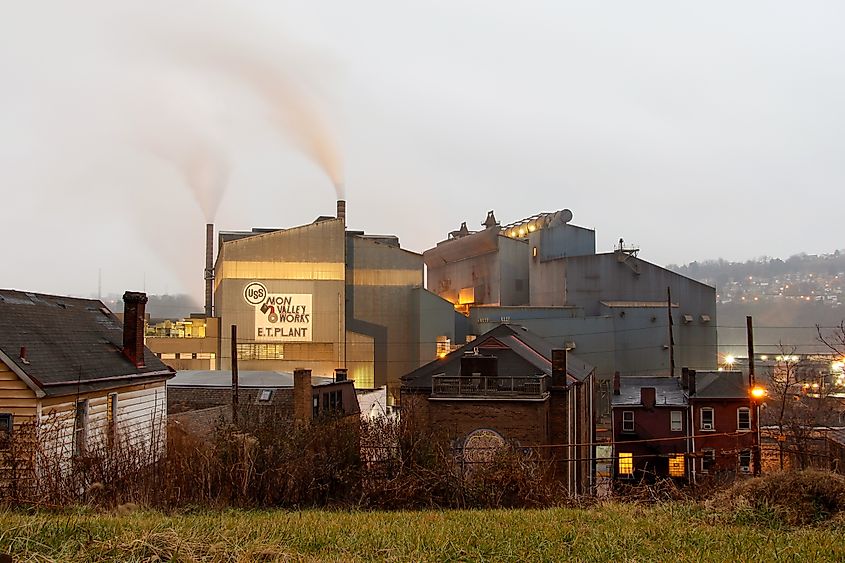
[786, 298]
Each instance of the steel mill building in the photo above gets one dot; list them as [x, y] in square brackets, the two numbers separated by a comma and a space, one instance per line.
[323, 297]
[612, 309]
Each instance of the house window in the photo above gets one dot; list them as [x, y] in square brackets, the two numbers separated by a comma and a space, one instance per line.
[80, 427]
[111, 417]
[676, 465]
[265, 395]
[707, 419]
[626, 464]
[315, 411]
[627, 421]
[6, 425]
[708, 459]
[745, 461]
[677, 423]
[743, 418]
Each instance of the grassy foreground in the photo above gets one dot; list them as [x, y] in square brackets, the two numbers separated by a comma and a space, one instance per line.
[612, 532]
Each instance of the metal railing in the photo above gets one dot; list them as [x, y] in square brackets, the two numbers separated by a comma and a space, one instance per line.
[531, 386]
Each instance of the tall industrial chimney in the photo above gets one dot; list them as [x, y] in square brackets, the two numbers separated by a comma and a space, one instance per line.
[209, 267]
[341, 210]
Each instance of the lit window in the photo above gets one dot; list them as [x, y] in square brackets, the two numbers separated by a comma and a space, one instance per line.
[743, 418]
[676, 465]
[745, 461]
[627, 421]
[677, 423]
[707, 419]
[261, 351]
[708, 459]
[626, 464]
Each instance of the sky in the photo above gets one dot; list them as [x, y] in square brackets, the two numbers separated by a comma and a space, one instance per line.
[693, 130]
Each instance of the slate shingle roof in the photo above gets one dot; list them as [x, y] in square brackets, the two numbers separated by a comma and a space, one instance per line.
[72, 345]
[720, 385]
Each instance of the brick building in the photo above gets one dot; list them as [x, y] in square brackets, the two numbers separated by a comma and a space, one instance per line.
[192, 395]
[509, 386]
[689, 428]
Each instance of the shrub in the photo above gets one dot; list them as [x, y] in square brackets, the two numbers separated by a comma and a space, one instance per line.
[793, 498]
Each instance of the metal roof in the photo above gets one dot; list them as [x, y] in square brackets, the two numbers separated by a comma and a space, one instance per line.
[253, 379]
[636, 304]
[667, 391]
[72, 345]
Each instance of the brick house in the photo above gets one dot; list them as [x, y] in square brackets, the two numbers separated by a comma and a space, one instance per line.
[198, 399]
[724, 428]
[686, 428]
[509, 386]
[74, 379]
[650, 424]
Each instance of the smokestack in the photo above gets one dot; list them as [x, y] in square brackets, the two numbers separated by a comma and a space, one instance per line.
[209, 267]
[134, 305]
[341, 210]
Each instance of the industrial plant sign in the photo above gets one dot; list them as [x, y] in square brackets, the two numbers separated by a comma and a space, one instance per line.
[279, 317]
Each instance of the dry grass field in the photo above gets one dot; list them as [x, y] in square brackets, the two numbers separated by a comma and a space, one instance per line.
[671, 531]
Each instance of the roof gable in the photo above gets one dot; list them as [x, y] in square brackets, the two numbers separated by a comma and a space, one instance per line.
[532, 349]
[72, 344]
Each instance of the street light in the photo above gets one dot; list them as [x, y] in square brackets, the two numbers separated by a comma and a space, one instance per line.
[757, 394]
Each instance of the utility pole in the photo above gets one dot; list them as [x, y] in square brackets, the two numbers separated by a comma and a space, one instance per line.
[235, 374]
[755, 403]
[671, 331]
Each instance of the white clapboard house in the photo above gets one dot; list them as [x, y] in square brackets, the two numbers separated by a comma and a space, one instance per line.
[74, 379]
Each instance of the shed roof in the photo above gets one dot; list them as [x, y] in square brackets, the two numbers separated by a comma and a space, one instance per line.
[251, 379]
[72, 345]
[667, 391]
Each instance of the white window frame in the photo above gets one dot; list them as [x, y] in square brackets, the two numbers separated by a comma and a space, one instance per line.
[705, 453]
[711, 427]
[738, 425]
[627, 425]
[676, 425]
[744, 468]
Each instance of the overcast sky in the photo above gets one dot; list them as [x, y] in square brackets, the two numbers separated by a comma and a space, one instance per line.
[695, 130]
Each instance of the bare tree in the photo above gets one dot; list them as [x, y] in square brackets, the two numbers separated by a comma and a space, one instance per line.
[802, 405]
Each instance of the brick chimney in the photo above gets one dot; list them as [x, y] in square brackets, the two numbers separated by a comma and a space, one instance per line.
[559, 367]
[616, 383]
[691, 383]
[134, 305]
[684, 378]
[647, 396]
[302, 396]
